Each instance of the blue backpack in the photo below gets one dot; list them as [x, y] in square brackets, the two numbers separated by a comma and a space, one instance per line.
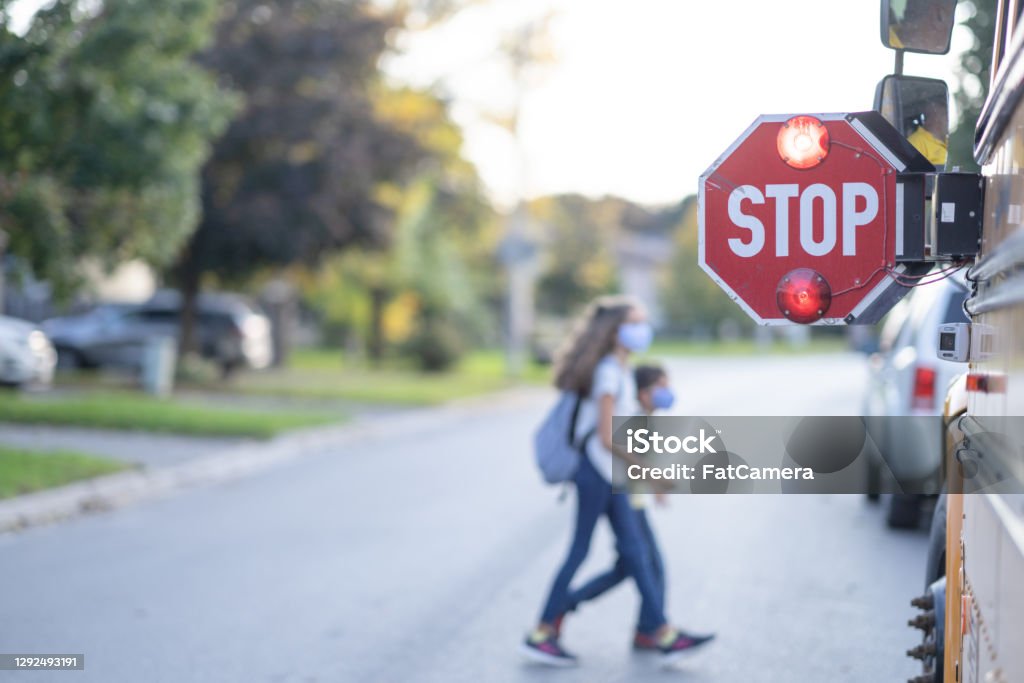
[554, 445]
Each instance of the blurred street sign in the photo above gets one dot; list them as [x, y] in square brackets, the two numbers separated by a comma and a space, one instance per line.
[801, 219]
[515, 249]
[518, 253]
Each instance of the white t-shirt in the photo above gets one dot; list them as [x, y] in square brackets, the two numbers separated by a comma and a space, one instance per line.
[611, 378]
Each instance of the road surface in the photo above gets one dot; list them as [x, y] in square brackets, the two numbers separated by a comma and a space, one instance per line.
[425, 556]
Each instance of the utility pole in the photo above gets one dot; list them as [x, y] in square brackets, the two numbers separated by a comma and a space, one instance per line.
[527, 49]
[518, 254]
[3, 272]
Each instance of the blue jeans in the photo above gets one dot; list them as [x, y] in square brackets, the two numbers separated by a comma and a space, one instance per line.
[594, 498]
[606, 581]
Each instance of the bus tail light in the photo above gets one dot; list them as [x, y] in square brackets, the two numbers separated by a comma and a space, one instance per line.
[986, 383]
[803, 295]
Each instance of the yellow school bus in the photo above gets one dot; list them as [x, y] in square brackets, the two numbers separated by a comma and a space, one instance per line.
[972, 613]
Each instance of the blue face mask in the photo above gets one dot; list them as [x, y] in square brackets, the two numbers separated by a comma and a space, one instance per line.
[636, 336]
[662, 398]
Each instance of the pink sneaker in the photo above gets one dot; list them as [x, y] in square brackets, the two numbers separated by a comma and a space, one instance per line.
[544, 648]
[682, 644]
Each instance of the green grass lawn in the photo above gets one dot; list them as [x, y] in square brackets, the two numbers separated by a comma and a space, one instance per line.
[320, 375]
[135, 411]
[26, 471]
[325, 374]
[328, 374]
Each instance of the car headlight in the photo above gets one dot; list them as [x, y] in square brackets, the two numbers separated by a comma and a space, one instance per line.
[38, 342]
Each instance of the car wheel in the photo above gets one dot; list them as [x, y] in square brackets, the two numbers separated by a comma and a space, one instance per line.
[932, 621]
[70, 359]
[874, 480]
[935, 567]
[228, 368]
[904, 511]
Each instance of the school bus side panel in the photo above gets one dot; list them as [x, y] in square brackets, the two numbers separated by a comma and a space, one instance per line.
[984, 642]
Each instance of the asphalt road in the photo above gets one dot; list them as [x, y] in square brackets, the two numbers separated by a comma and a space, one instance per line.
[425, 555]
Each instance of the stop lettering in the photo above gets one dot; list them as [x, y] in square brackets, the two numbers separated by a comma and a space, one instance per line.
[781, 195]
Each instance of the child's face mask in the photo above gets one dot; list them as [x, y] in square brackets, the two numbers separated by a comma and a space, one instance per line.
[636, 336]
[662, 398]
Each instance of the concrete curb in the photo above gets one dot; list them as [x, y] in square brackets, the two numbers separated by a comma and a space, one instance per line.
[125, 488]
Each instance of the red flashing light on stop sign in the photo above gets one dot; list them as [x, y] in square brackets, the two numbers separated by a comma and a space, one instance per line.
[803, 142]
[803, 295]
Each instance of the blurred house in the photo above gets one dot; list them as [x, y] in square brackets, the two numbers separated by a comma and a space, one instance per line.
[130, 282]
[592, 246]
[31, 299]
[644, 248]
[641, 256]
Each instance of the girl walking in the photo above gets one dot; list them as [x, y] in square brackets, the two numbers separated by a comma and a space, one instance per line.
[595, 364]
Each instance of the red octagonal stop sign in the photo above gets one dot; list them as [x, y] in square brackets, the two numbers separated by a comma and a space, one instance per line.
[800, 220]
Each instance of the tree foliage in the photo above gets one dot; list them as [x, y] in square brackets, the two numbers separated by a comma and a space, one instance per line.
[578, 258]
[297, 173]
[586, 241]
[693, 304]
[427, 293]
[973, 81]
[104, 123]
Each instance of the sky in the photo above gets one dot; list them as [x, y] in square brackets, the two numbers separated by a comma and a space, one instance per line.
[644, 95]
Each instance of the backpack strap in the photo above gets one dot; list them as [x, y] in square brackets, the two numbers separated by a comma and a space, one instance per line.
[564, 493]
[582, 445]
[571, 436]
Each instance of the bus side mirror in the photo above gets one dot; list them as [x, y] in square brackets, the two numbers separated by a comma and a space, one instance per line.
[918, 25]
[919, 109]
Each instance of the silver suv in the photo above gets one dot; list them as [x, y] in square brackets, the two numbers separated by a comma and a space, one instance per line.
[229, 331]
[908, 378]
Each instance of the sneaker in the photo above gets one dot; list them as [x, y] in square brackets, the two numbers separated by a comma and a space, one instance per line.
[681, 643]
[644, 642]
[544, 648]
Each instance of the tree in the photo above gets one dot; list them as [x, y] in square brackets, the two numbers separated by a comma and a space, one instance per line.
[426, 292]
[578, 260]
[694, 305]
[297, 174]
[104, 123]
[973, 79]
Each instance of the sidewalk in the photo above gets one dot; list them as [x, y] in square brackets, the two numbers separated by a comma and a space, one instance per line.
[227, 459]
[145, 449]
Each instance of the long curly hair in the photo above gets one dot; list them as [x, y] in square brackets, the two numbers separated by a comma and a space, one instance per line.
[593, 337]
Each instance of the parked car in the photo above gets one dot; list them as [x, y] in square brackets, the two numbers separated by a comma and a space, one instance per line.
[908, 379]
[229, 331]
[26, 356]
